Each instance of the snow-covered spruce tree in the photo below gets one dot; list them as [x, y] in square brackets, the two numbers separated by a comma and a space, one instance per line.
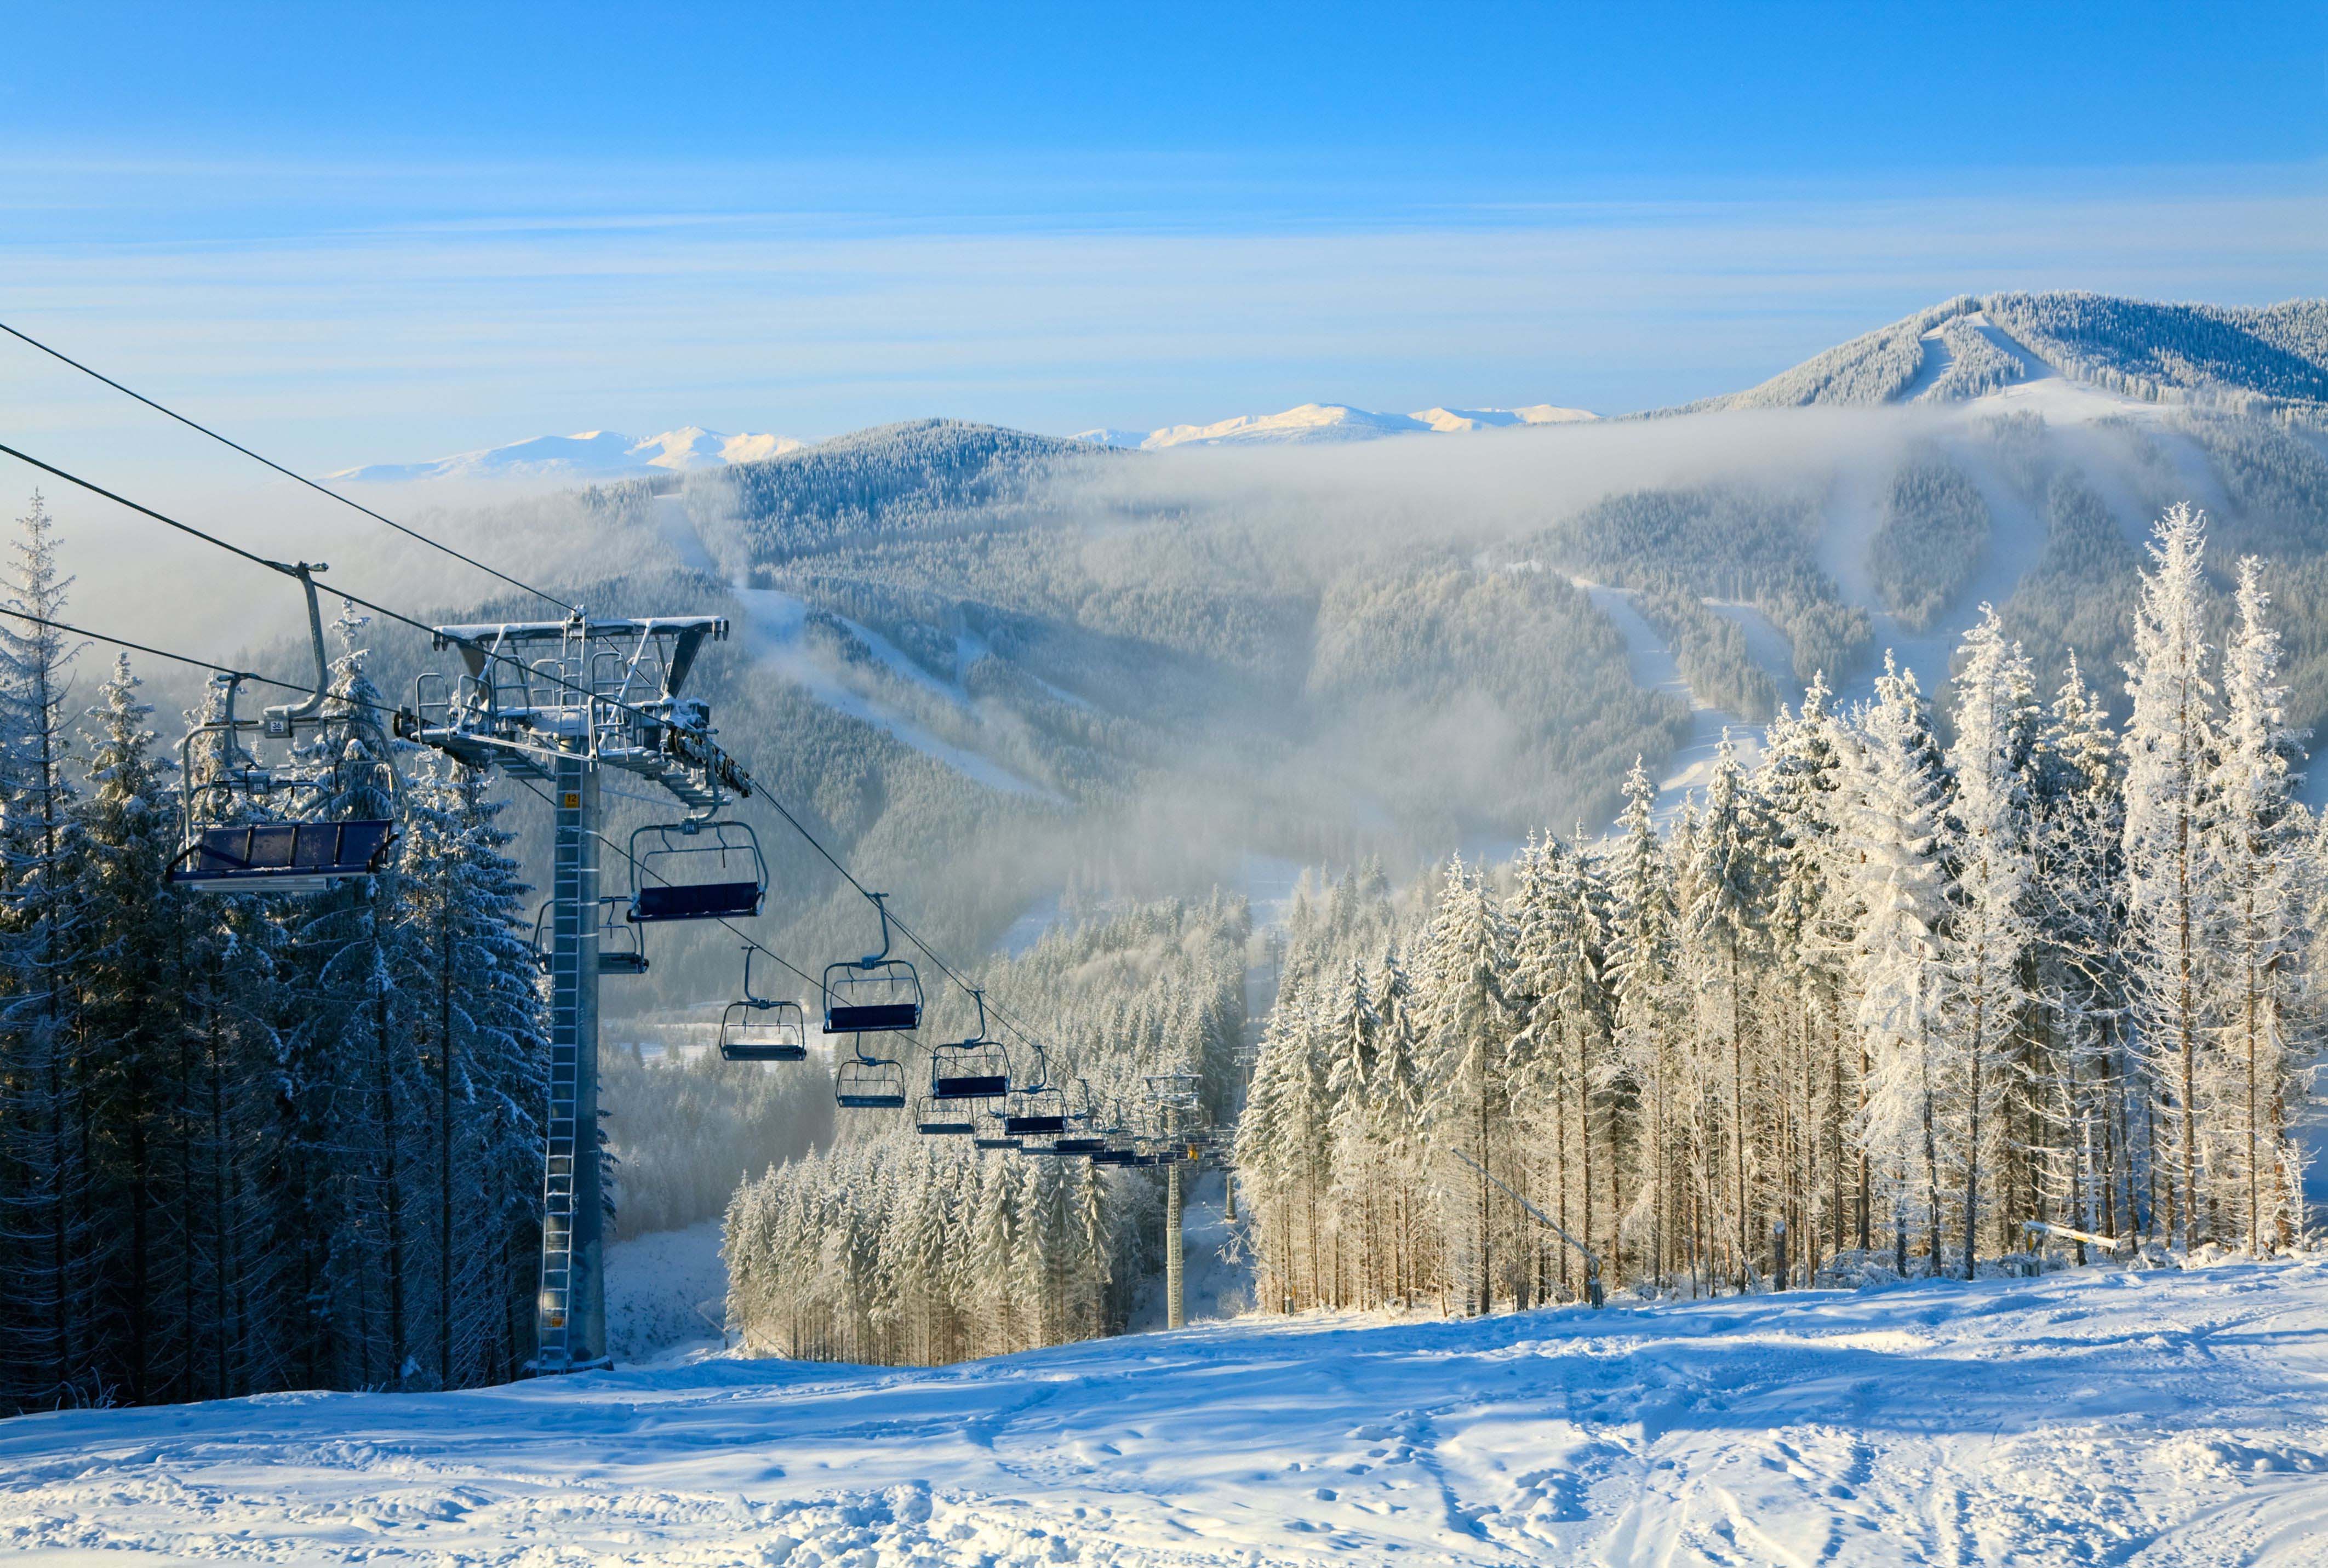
[1989, 929]
[1349, 1052]
[346, 1149]
[1800, 786]
[1564, 1048]
[2256, 833]
[2085, 1151]
[1725, 915]
[51, 1249]
[2171, 905]
[1898, 891]
[1398, 1103]
[1640, 969]
[1469, 1024]
[137, 1069]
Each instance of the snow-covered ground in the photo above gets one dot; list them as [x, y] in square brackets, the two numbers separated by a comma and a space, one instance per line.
[666, 1293]
[2102, 1417]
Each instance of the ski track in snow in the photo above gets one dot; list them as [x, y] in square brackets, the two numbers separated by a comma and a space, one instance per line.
[1653, 669]
[774, 633]
[2099, 1417]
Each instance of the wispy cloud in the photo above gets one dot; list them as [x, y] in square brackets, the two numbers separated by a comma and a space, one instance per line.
[384, 320]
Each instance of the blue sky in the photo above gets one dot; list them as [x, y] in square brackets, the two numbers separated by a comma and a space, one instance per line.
[376, 233]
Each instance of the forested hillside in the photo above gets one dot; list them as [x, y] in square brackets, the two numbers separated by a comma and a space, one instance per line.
[989, 664]
[251, 1145]
[893, 1247]
[1006, 679]
[2246, 360]
[1874, 1008]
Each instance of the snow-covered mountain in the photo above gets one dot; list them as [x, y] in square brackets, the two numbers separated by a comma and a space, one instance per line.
[1314, 422]
[2069, 350]
[587, 455]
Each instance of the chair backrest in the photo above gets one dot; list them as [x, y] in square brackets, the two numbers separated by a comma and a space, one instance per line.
[253, 855]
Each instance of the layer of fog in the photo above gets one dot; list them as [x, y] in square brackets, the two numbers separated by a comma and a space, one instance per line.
[1220, 804]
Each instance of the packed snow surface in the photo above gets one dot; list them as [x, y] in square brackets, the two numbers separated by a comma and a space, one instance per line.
[2095, 1417]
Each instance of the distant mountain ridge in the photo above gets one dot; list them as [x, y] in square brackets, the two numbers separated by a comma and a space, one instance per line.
[587, 455]
[1330, 422]
[2266, 360]
[2270, 360]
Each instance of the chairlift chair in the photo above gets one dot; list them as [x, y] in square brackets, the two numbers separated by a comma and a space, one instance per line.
[976, 1068]
[991, 1133]
[1081, 1134]
[945, 1118]
[263, 853]
[872, 994]
[869, 1084]
[621, 949]
[757, 1028]
[1118, 1143]
[1036, 1113]
[1036, 1109]
[280, 856]
[697, 870]
[767, 1031]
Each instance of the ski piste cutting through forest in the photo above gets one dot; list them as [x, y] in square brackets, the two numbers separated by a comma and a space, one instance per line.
[666, 740]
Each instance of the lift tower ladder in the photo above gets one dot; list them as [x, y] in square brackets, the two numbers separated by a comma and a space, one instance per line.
[559, 702]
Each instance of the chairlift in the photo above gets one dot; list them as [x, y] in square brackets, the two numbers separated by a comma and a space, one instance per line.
[757, 1028]
[874, 993]
[697, 870]
[1036, 1110]
[264, 852]
[869, 1084]
[990, 1133]
[1118, 1146]
[1081, 1134]
[944, 1118]
[976, 1068]
[621, 949]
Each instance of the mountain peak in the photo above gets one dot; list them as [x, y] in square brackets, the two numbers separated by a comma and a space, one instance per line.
[2072, 349]
[1324, 422]
[585, 455]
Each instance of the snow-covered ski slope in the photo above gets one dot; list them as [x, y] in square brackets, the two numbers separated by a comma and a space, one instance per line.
[2157, 1418]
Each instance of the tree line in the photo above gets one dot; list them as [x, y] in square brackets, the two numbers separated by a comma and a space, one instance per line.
[250, 1143]
[1899, 992]
[897, 1248]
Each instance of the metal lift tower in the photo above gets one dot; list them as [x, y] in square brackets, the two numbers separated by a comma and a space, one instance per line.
[558, 701]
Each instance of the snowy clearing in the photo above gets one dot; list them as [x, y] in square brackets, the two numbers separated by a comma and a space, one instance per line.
[2165, 1417]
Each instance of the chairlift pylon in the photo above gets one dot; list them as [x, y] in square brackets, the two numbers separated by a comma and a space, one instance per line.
[873, 994]
[757, 1028]
[675, 878]
[264, 852]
